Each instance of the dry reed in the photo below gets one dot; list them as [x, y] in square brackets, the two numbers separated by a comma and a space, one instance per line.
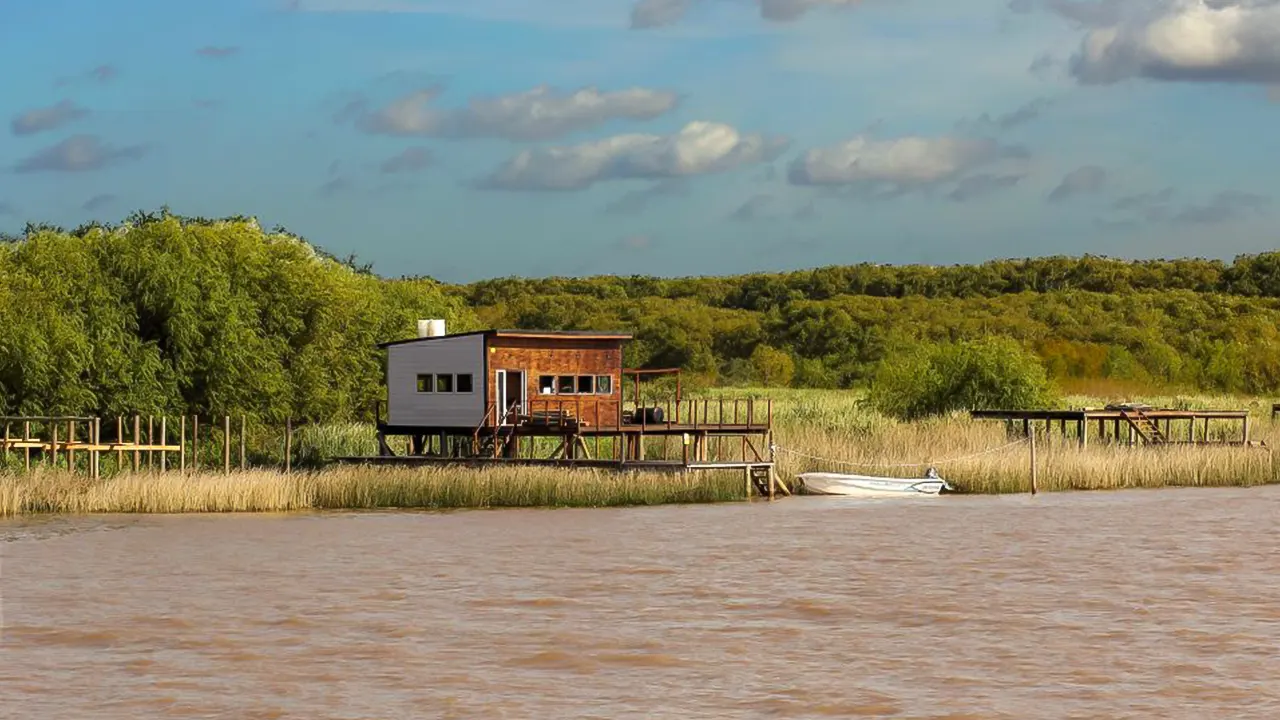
[835, 427]
[354, 487]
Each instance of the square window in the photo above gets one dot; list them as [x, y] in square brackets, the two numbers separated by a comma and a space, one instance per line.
[426, 383]
[547, 385]
[464, 383]
[444, 383]
[565, 384]
[604, 384]
[586, 384]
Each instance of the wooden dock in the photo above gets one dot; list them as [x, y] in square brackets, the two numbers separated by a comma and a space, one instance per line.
[671, 436]
[1131, 424]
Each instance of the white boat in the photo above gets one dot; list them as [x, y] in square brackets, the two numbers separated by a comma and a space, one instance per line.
[821, 483]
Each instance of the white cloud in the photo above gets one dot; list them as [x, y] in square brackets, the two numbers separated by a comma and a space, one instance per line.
[541, 113]
[1226, 41]
[1081, 181]
[904, 163]
[661, 13]
[700, 148]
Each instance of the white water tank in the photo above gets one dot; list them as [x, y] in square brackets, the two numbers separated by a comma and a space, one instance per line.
[430, 328]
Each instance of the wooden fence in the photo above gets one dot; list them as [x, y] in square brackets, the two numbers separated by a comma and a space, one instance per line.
[139, 443]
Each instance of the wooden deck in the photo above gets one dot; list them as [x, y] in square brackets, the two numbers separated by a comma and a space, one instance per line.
[1132, 423]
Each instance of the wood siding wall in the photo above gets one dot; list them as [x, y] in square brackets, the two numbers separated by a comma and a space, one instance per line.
[408, 407]
[561, 356]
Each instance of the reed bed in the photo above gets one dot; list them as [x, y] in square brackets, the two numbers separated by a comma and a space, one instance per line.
[356, 488]
[848, 436]
[814, 430]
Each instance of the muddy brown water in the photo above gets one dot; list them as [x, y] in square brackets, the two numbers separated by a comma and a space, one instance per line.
[1143, 604]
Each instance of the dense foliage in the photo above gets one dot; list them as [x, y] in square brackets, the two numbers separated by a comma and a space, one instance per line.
[169, 315]
[164, 314]
[1199, 324]
[934, 379]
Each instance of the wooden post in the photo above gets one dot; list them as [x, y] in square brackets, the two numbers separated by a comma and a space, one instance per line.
[182, 445]
[26, 451]
[164, 442]
[1083, 428]
[119, 442]
[95, 458]
[151, 441]
[226, 444]
[195, 443]
[1244, 440]
[137, 440]
[53, 447]
[1034, 471]
[1191, 430]
[71, 438]
[288, 445]
[242, 453]
[746, 473]
[6, 443]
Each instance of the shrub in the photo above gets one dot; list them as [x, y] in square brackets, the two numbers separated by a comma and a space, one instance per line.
[935, 379]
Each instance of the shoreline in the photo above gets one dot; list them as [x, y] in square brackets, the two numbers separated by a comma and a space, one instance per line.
[353, 488]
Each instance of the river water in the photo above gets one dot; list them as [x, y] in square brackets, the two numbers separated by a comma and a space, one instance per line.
[1143, 604]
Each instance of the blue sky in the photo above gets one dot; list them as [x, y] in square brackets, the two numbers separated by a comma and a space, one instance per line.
[466, 139]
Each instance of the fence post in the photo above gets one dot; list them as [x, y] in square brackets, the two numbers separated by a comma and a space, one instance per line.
[26, 451]
[195, 443]
[71, 438]
[182, 445]
[1034, 478]
[53, 447]
[137, 441]
[226, 444]
[151, 442]
[164, 442]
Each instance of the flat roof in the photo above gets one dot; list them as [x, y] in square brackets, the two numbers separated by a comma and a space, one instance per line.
[531, 334]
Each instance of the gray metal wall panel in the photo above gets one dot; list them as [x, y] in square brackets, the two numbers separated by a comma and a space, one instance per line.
[407, 406]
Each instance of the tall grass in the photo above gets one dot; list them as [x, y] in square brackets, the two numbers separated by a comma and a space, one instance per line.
[355, 487]
[840, 429]
[837, 429]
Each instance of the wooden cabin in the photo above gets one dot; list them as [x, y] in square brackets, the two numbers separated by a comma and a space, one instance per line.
[439, 382]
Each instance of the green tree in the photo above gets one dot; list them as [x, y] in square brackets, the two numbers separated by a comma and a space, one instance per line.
[935, 379]
[772, 367]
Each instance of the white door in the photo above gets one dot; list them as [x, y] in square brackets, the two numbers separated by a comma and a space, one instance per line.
[511, 395]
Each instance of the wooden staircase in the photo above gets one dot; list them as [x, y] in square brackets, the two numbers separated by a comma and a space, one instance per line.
[1146, 428]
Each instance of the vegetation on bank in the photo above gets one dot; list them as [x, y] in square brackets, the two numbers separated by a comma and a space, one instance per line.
[815, 430]
[169, 315]
[355, 488]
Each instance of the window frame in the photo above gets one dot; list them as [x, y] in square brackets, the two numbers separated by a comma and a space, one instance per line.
[442, 380]
[547, 389]
[430, 385]
[471, 383]
[609, 379]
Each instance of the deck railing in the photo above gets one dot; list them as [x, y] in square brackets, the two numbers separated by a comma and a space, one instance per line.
[591, 412]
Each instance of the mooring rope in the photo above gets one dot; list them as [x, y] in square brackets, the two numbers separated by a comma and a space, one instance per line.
[846, 463]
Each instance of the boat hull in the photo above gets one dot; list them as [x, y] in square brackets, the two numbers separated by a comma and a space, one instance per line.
[869, 486]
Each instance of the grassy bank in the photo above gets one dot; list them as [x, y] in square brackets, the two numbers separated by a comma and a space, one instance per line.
[837, 429]
[840, 428]
[356, 488]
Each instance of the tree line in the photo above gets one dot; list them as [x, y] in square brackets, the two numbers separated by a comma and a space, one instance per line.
[167, 314]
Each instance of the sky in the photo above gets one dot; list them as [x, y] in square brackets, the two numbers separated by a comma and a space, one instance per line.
[470, 139]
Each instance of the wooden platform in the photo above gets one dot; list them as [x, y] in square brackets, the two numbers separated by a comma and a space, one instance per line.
[1130, 423]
